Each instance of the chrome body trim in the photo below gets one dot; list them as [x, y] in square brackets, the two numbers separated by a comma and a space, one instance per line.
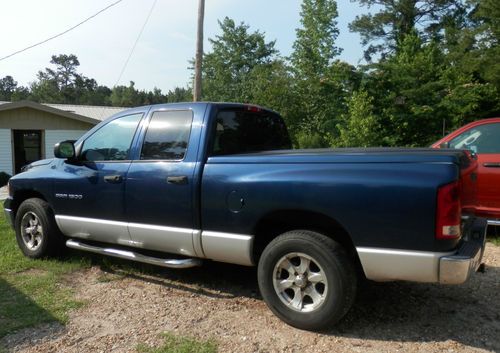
[228, 247]
[94, 229]
[198, 248]
[161, 238]
[130, 255]
[392, 265]
[218, 246]
[494, 222]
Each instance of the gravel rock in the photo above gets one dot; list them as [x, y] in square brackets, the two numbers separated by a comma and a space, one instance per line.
[221, 302]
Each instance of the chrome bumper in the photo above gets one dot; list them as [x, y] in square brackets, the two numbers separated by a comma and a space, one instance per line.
[457, 268]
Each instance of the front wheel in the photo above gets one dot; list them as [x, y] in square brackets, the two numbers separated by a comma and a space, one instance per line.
[37, 233]
[307, 279]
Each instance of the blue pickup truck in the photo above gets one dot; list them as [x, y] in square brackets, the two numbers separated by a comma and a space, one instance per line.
[174, 184]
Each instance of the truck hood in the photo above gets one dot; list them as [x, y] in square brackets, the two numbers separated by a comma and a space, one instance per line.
[38, 164]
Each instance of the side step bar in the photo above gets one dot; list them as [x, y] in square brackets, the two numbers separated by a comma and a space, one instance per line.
[130, 255]
[494, 222]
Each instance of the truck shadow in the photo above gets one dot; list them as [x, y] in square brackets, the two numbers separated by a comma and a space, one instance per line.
[18, 312]
[412, 312]
[397, 311]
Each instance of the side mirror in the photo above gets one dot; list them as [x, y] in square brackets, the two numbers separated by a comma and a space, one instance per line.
[65, 149]
[444, 145]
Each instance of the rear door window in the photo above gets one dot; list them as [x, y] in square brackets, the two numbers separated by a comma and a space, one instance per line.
[243, 131]
[167, 135]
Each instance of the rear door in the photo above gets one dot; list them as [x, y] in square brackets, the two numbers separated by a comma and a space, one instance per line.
[161, 183]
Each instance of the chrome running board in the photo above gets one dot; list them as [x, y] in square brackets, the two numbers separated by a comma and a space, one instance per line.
[130, 255]
[494, 222]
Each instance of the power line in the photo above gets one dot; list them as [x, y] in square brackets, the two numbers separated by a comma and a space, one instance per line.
[135, 43]
[60, 34]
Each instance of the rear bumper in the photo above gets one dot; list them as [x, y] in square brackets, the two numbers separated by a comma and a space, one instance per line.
[9, 214]
[452, 267]
[457, 268]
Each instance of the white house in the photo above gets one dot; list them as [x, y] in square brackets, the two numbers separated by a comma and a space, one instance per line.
[29, 130]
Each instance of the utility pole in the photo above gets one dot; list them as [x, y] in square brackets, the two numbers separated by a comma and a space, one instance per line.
[199, 53]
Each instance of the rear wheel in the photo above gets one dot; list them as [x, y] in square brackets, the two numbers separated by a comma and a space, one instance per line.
[307, 279]
[37, 233]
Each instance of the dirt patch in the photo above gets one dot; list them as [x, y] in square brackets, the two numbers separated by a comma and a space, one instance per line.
[222, 302]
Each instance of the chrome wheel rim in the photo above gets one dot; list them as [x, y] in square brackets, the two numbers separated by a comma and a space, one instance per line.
[300, 282]
[31, 231]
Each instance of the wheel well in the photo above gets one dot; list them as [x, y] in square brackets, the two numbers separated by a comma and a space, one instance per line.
[21, 195]
[280, 222]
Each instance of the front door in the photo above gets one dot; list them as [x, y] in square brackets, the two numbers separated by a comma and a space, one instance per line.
[89, 194]
[27, 147]
[160, 185]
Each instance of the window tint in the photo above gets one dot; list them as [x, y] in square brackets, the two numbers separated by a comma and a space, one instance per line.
[112, 141]
[167, 135]
[480, 139]
[241, 131]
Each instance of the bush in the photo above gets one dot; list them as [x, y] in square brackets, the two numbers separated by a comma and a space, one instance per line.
[4, 178]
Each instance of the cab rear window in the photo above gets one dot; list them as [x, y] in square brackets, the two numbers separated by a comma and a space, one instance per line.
[243, 131]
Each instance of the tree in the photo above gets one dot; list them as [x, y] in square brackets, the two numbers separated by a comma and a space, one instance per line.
[407, 90]
[59, 84]
[126, 96]
[360, 127]
[7, 88]
[320, 80]
[179, 94]
[398, 18]
[314, 48]
[235, 53]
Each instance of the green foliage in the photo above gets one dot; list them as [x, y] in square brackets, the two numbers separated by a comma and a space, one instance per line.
[395, 19]
[321, 83]
[314, 48]
[228, 68]
[176, 344]
[437, 68]
[360, 127]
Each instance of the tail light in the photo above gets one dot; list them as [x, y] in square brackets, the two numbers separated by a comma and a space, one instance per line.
[448, 213]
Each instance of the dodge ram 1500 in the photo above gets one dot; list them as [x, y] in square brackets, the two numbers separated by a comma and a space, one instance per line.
[173, 184]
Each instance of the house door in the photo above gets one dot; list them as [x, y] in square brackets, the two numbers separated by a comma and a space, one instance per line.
[27, 147]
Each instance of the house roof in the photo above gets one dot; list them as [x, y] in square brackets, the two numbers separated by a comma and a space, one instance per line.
[86, 113]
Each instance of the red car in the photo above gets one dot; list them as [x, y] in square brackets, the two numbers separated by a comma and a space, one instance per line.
[483, 138]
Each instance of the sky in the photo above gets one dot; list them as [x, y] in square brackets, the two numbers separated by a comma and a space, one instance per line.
[161, 56]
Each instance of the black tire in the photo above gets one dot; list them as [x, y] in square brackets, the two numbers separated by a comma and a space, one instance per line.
[45, 237]
[325, 259]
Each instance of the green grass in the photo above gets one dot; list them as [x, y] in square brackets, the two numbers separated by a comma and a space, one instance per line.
[32, 291]
[494, 240]
[178, 344]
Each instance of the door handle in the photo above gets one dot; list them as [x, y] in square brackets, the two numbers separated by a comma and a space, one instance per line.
[491, 165]
[180, 180]
[113, 179]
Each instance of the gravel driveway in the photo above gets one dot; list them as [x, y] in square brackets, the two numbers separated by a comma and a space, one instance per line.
[222, 302]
